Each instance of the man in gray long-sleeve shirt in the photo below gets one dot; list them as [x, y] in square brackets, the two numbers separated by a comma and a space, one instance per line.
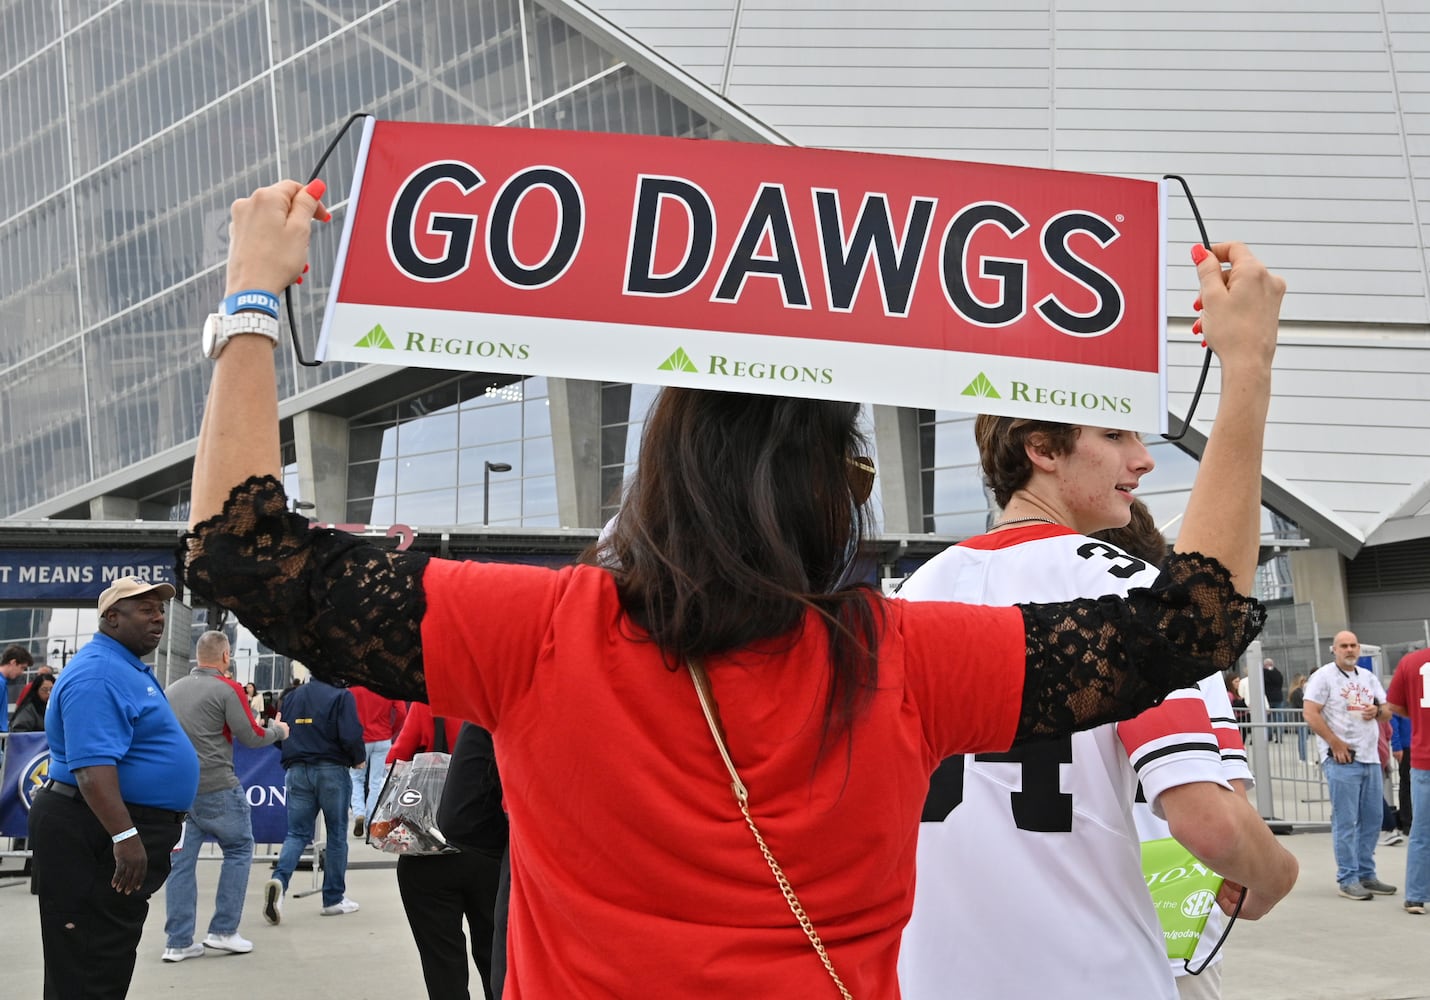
[214, 712]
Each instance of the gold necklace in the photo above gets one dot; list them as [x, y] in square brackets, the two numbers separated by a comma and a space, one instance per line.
[1023, 520]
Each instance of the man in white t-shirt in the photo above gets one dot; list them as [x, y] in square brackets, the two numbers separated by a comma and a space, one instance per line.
[1344, 708]
[1039, 845]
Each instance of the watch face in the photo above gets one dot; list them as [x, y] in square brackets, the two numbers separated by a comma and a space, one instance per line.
[211, 344]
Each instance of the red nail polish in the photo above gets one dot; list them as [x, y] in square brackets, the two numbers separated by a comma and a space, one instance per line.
[317, 188]
[1197, 305]
[1197, 326]
[305, 268]
[1204, 343]
[1199, 253]
[299, 281]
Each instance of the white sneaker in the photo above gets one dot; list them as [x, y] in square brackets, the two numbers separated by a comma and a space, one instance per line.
[179, 954]
[273, 901]
[342, 906]
[1390, 838]
[229, 942]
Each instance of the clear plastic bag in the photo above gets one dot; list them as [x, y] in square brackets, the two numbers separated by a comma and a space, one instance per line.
[405, 820]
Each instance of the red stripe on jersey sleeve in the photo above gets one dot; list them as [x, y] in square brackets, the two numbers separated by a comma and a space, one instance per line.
[1175, 715]
[1228, 738]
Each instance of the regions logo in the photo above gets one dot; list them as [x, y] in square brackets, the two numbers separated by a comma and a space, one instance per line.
[771, 371]
[426, 343]
[32, 776]
[376, 337]
[677, 362]
[1072, 399]
[981, 387]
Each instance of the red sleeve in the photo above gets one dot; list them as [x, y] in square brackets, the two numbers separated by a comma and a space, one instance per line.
[1398, 694]
[485, 626]
[258, 730]
[399, 715]
[415, 736]
[964, 668]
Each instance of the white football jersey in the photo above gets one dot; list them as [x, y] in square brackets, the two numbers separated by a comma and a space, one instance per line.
[1029, 862]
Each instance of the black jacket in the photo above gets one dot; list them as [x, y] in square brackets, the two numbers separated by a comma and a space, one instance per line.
[29, 717]
[322, 726]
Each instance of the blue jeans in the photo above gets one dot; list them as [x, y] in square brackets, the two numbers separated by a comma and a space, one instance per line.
[1357, 802]
[370, 778]
[312, 787]
[1417, 853]
[222, 815]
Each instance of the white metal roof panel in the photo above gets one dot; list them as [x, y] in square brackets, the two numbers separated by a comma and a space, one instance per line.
[1304, 129]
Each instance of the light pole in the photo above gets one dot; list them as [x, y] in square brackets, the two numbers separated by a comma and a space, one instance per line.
[487, 469]
[63, 651]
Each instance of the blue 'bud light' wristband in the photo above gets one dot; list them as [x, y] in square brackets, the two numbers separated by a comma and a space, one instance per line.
[254, 300]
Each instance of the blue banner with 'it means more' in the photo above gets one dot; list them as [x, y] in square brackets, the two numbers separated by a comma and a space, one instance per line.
[33, 576]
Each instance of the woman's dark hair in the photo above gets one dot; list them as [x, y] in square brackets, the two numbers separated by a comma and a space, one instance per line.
[740, 519]
[32, 696]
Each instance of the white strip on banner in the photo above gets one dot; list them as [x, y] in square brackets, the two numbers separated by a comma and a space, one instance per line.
[709, 359]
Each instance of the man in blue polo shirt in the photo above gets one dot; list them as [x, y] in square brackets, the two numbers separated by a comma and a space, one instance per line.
[122, 773]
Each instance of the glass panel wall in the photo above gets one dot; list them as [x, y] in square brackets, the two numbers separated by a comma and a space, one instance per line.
[132, 125]
[474, 449]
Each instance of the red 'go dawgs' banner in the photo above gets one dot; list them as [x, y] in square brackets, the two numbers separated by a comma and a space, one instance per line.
[724, 265]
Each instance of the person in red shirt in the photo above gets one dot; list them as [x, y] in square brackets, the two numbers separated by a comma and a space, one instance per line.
[1409, 696]
[721, 632]
[381, 721]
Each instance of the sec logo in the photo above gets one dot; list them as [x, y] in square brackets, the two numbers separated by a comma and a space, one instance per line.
[32, 776]
[1198, 904]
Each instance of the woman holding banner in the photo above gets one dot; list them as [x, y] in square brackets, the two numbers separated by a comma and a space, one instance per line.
[717, 645]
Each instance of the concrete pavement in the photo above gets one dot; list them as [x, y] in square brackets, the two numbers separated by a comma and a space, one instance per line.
[1314, 946]
[1317, 946]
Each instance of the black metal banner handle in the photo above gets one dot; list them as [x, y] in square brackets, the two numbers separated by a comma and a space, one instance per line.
[288, 292]
[1207, 359]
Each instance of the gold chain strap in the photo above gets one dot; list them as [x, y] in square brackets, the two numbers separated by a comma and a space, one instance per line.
[742, 798]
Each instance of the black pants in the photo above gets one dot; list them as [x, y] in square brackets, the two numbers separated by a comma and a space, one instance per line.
[437, 892]
[499, 936]
[1405, 814]
[89, 932]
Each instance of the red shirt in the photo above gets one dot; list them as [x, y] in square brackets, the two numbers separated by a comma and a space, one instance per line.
[381, 717]
[1408, 689]
[418, 733]
[633, 872]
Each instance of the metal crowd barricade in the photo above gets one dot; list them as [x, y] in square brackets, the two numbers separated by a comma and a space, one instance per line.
[1291, 792]
[1291, 789]
[7, 843]
[313, 855]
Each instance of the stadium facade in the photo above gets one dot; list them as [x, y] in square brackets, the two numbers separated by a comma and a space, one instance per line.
[130, 126]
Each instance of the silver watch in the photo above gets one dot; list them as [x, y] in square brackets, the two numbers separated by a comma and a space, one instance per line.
[218, 328]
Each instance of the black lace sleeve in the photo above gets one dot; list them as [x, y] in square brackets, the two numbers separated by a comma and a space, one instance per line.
[348, 610]
[1105, 659]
